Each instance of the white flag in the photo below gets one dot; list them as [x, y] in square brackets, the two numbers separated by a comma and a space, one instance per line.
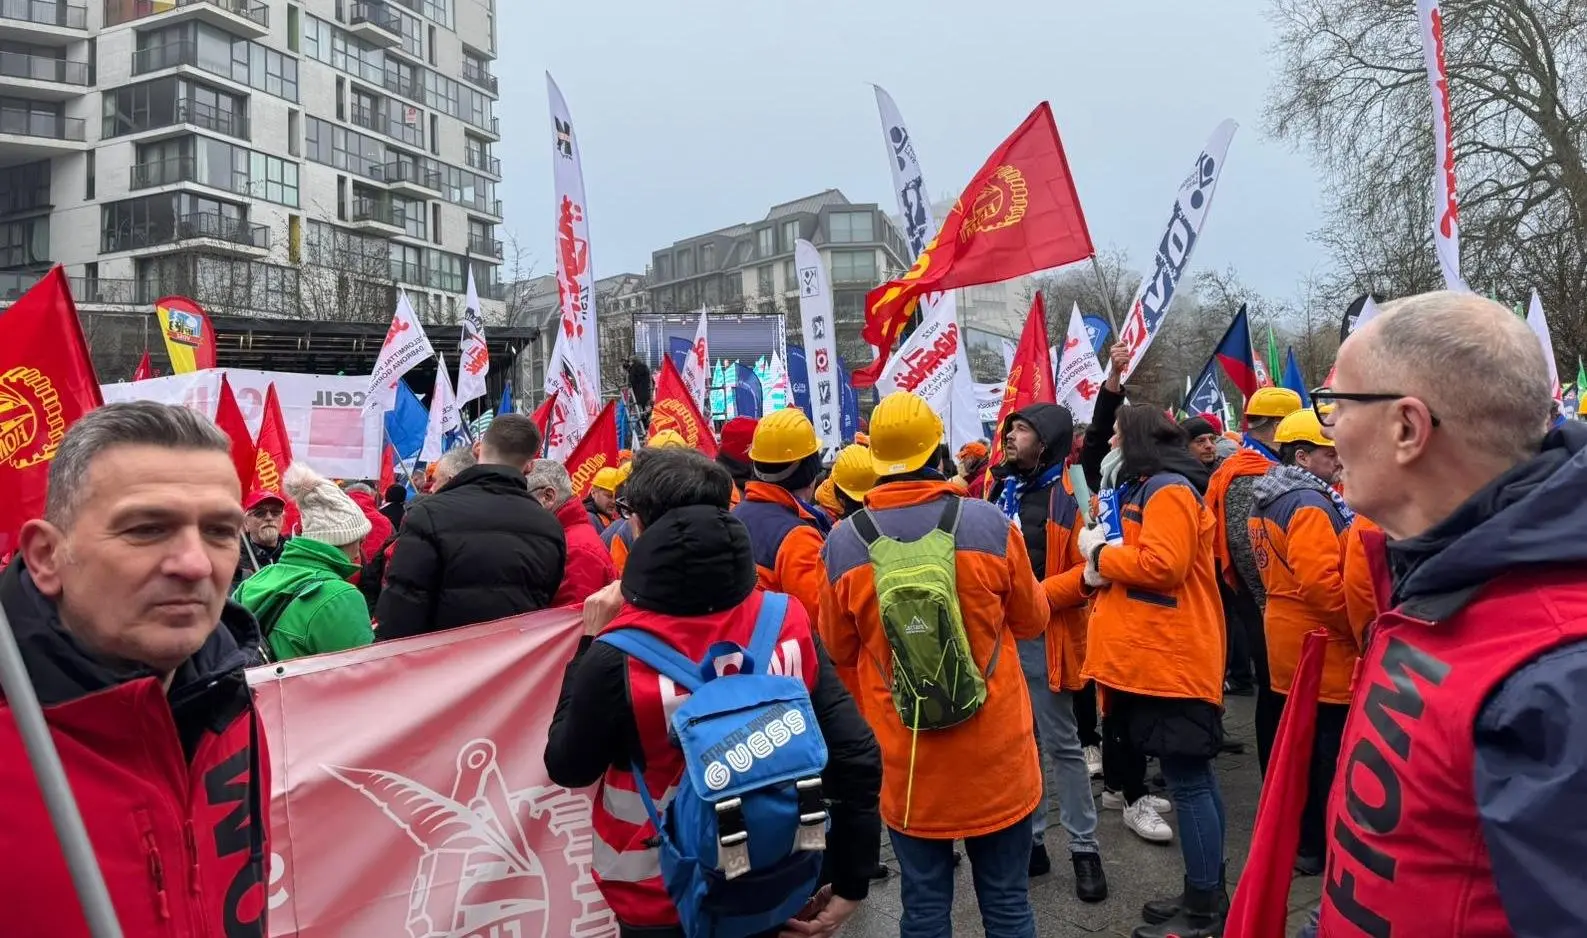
[1539, 324]
[821, 350]
[473, 355]
[1446, 209]
[574, 372]
[444, 418]
[696, 369]
[1145, 317]
[405, 346]
[964, 414]
[1079, 374]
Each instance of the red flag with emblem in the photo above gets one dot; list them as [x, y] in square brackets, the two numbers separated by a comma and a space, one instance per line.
[596, 451]
[674, 410]
[1020, 214]
[542, 417]
[228, 416]
[272, 457]
[47, 382]
[1030, 380]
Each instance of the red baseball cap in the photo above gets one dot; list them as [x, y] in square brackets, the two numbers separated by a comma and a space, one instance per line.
[259, 497]
[736, 436]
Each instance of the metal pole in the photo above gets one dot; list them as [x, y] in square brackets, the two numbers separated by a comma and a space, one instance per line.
[1107, 297]
[69, 830]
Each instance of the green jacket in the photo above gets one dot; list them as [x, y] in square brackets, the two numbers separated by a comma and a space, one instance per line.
[308, 598]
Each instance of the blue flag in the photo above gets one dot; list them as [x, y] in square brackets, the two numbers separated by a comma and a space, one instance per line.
[849, 423]
[746, 391]
[1205, 396]
[799, 378]
[506, 399]
[406, 423]
[1293, 379]
[622, 424]
[1097, 330]
[678, 348]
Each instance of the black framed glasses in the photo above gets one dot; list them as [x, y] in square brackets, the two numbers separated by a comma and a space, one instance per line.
[1325, 401]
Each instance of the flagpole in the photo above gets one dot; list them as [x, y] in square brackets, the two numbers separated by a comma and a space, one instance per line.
[87, 877]
[1107, 298]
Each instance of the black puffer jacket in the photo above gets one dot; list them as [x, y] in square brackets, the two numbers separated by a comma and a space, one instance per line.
[482, 548]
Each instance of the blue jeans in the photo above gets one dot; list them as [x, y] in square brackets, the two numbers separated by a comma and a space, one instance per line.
[1058, 740]
[1000, 867]
[1202, 825]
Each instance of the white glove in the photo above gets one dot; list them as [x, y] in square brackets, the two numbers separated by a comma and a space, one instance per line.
[1094, 578]
[1091, 538]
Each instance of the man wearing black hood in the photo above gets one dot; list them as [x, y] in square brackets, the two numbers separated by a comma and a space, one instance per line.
[691, 581]
[1032, 493]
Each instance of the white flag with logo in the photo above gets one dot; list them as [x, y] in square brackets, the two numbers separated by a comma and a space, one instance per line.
[574, 372]
[473, 354]
[444, 417]
[696, 373]
[1079, 374]
[1145, 317]
[1446, 209]
[1539, 324]
[821, 349]
[405, 346]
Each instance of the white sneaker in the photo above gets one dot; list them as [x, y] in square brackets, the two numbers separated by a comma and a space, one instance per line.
[1147, 824]
[1093, 756]
[1114, 801]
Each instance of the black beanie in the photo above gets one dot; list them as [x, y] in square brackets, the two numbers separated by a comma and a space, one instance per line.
[1196, 426]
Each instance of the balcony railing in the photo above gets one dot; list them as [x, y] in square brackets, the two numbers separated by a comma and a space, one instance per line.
[177, 169]
[210, 225]
[397, 83]
[476, 74]
[28, 123]
[164, 55]
[490, 247]
[123, 11]
[378, 212]
[483, 162]
[376, 14]
[43, 68]
[186, 111]
[45, 13]
[492, 291]
[400, 171]
[366, 117]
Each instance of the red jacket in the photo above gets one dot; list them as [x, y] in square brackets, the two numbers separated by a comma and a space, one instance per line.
[180, 834]
[589, 565]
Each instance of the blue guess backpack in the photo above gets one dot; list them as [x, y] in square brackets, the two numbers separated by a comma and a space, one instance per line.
[742, 839]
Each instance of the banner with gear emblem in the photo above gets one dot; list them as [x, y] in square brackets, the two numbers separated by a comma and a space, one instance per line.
[595, 452]
[674, 410]
[189, 337]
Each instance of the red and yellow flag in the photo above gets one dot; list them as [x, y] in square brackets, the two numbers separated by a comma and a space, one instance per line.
[189, 338]
[1020, 214]
[542, 417]
[228, 416]
[674, 409]
[1030, 380]
[47, 382]
[272, 457]
[596, 451]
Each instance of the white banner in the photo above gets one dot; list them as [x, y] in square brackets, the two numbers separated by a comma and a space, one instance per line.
[1539, 324]
[405, 346]
[696, 373]
[1446, 209]
[1079, 374]
[473, 354]
[574, 372]
[964, 414]
[925, 362]
[1145, 317]
[444, 418]
[821, 350]
[326, 420]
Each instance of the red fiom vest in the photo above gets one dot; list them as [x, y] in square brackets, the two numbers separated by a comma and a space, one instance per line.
[1406, 857]
[627, 870]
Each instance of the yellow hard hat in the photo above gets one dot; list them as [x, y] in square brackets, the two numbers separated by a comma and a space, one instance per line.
[668, 438]
[606, 479]
[1272, 402]
[826, 497]
[785, 435]
[853, 471]
[623, 472]
[905, 433]
[1301, 427]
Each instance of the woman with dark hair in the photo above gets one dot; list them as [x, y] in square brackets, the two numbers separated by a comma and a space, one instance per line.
[1155, 648]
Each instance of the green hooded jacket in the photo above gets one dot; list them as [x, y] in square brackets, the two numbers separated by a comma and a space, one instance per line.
[307, 597]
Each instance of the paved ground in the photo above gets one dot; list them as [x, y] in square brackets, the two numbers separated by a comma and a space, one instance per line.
[1136, 870]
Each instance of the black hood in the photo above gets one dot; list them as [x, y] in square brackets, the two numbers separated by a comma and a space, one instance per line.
[692, 562]
[741, 472]
[1534, 515]
[1177, 458]
[63, 670]
[1054, 427]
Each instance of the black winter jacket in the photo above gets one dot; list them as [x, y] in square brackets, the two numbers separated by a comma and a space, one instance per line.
[1055, 427]
[481, 548]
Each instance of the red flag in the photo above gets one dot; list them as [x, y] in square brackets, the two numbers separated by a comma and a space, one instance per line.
[1020, 214]
[47, 382]
[596, 451]
[674, 410]
[228, 416]
[272, 457]
[542, 417]
[388, 468]
[1030, 380]
[145, 369]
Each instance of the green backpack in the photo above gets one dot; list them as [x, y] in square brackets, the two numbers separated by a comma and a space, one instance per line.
[936, 683]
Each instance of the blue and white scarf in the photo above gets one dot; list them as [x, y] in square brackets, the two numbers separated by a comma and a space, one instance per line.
[1015, 487]
[1252, 443]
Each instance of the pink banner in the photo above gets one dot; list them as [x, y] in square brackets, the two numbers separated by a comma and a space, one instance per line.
[410, 795]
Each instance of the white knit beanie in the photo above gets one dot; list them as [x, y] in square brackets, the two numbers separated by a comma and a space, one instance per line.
[329, 515]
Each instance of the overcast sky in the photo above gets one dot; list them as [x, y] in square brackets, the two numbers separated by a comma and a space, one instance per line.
[697, 114]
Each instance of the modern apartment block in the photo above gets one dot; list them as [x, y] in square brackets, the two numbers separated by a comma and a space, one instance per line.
[266, 158]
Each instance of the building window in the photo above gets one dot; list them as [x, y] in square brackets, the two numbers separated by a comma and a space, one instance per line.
[88, 174]
[663, 267]
[25, 243]
[790, 280]
[790, 234]
[853, 267]
[685, 263]
[851, 227]
[766, 241]
[273, 179]
[763, 282]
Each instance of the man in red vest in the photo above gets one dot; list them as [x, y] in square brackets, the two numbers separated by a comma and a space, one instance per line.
[117, 597]
[1458, 807]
